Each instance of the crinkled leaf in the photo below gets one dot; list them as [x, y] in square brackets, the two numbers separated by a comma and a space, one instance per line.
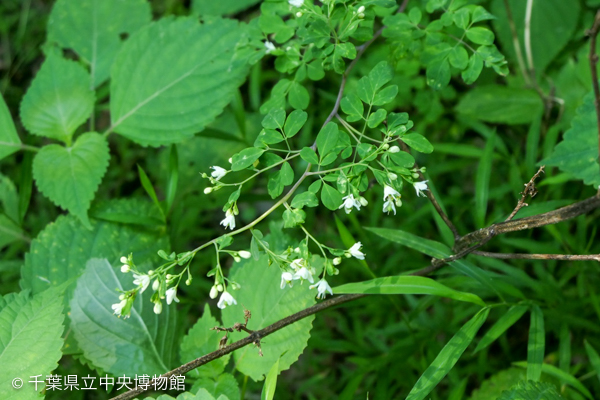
[223, 387]
[145, 342]
[173, 77]
[30, 340]
[92, 29]
[70, 176]
[529, 390]
[58, 100]
[261, 294]
[221, 7]
[577, 153]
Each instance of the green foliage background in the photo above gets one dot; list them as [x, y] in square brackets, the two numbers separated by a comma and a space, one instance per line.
[489, 131]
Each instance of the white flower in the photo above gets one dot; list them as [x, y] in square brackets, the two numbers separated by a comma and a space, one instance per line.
[158, 307]
[420, 187]
[304, 274]
[229, 221]
[349, 203]
[172, 295]
[118, 308]
[390, 193]
[297, 263]
[125, 268]
[269, 46]
[394, 149]
[296, 3]
[141, 280]
[245, 254]
[286, 278]
[389, 206]
[322, 287]
[214, 292]
[124, 260]
[355, 251]
[226, 300]
[218, 172]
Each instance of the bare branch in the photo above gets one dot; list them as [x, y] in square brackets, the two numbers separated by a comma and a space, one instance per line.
[529, 190]
[566, 257]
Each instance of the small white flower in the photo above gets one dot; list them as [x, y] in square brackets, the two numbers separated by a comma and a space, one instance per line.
[297, 264]
[118, 308]
[125, 268]
[229, 221]
[322, 287]
[420, 187]
[349, 203]
[218, 172]
[124, 260]
[355, 251]
[296, 3]
[286, 279]
[226, 300]
[389, 206]
[304, 274]
[389, 193]
[214, 292]
[141, 280]
[172, 295]
[158, 307]
[269, 46]
[394, 149]
[245, 254]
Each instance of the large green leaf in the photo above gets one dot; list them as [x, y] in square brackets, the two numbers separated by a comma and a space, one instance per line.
[500, 104]
[221, 7]
[173, 77]
[553, 22]
[145, 343]
[446, 359]
[59, 99]
[92, 28]
[577, 153]
[569, 379]
[9, 140]
[407, 285]
[70, 176]
[30, 340]
[201, 340]
[268, 303]
[61, 250]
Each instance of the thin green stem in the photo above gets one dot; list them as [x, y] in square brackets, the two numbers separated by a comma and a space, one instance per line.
[262, 170]
[21, 146]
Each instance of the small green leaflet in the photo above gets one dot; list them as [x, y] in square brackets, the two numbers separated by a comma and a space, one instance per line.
[327, 139]
[330, 197]
[245, 158]
[448, 357]
[407, 285]
[577, 153]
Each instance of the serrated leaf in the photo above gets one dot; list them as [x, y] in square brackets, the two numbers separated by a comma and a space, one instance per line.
[155, 101]
[58, 100]
[577, 153]
[92, 29]
[70, 176]
[145, 342]
[494, 103]
[407, 285]
[30, 340]
[448, 357]
[417, 142]
[245, 158]
[330, 197]
[561, 375]
[271, 305]
[201, 340]
[500, 326]
[223, 387]
[536, 344]
[493, 387]
[9, 140]
[222, 7]
[529, 390]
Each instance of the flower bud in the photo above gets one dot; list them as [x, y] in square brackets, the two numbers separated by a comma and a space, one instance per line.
[392, 176]
[385, 146]
[361, 15]
[124, 260]
[363, 201]
[235, 285]
[394, 149]
[245, 254]
[125, 269]
[208, 190]
[158, 307]
[230, 161]
[297, 250]
[155, 286]
[220, 287]
[361, 9]
[298, 14]
[214, 292]
[415, 176]
[237, 259]
[337, 261]
[188, 281]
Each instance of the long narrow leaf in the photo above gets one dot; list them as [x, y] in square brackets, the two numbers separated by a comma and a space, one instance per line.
[535, 345]
[482, 180]
[407, 285]
[425, 246]
[505, 322]
[173, 177]
[593, 356]
[270, 382]
[449, 355]
[147, 185]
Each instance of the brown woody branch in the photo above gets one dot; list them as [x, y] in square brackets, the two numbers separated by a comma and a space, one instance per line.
[564, 257]
[529, 190]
